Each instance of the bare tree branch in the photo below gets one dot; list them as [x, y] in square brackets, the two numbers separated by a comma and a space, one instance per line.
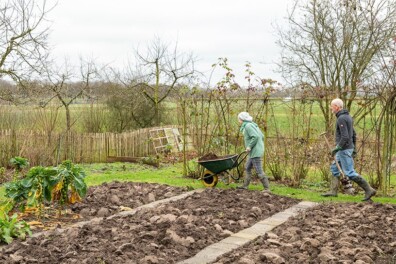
[332, 47]
[23, 37]
[162, 69]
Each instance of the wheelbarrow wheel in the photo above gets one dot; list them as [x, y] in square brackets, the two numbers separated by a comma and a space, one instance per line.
[209, 179]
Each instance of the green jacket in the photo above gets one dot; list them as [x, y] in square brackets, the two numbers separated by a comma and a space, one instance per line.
[254, 139]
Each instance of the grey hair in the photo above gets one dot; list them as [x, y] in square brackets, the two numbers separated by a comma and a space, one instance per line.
[338, 102]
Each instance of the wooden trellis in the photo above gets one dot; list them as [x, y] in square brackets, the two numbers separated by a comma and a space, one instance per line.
[167, 140]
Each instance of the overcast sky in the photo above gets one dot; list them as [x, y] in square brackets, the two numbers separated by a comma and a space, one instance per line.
[110, 30]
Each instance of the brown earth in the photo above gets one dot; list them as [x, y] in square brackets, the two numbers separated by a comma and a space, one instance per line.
[101, 201]
[208, 156]
[110, 198]
[330, 233]
[166, 234]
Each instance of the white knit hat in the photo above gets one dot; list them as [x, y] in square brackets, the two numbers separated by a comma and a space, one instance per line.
[244, 116]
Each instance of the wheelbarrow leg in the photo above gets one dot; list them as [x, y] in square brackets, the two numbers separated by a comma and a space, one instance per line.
[225, 177]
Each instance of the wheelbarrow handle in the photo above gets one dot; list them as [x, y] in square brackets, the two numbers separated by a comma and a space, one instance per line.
[239, 160]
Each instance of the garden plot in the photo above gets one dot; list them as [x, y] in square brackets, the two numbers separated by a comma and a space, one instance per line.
[102, 201]
[328, 233]
[110, 198]
[166, 234]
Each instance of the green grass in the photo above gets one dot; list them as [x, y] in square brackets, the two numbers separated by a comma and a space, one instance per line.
[314, 196]
[172, 175]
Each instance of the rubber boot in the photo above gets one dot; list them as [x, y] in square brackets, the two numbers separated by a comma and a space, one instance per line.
[246, 182]
[333, 188]
[264, 180]
[368, 190]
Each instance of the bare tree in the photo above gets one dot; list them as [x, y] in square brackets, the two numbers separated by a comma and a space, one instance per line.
[159, 71]
[66, 84]
[23, 37]
[331, 47]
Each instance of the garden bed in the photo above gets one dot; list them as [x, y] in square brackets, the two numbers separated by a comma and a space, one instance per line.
[169, 233]
[101, 201]
[110, 198]
[329, 233]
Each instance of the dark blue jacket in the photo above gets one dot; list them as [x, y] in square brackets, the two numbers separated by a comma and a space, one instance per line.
[345, 133]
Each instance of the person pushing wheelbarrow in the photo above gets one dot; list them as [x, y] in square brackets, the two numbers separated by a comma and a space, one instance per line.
[254, 144]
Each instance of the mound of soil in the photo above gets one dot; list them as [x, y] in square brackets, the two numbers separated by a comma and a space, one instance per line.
[208, 156]
[169, 233]
[329, 233]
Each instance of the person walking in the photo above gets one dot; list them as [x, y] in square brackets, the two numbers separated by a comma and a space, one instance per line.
[254, 145]
[345, 139]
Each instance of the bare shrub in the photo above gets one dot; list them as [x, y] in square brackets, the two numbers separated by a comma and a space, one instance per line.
[95, 120]
[129, 109]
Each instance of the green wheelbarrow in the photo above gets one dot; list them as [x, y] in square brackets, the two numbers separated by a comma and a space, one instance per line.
[220, 167]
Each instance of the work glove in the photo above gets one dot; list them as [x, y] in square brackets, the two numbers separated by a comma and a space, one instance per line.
[354, 153]
[248, 150]
[335, 150]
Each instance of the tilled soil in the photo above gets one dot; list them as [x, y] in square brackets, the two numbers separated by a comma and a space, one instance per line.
[329, 233]
[208, 156]
[110, 198]
[102, 201]
[169, 233]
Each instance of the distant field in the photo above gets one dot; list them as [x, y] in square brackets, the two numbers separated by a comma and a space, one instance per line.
[286, 118]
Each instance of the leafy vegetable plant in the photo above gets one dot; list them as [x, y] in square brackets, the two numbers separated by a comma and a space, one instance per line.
[11, 228]
[19, 164]
[60, 185]
[69, 176]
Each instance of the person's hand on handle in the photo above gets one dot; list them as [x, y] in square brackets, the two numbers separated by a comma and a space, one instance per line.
[335, 150]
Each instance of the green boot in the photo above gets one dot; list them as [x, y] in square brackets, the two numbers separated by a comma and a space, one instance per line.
[264, 180]
[333, 188]
[368, 190]
[246, 182]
